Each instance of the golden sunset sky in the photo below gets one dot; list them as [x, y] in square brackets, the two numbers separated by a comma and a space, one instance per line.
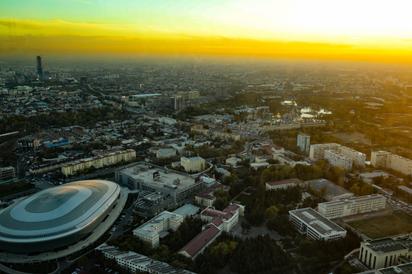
[372, 30]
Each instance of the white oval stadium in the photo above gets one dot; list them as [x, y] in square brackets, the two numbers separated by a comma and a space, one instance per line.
[52, 219]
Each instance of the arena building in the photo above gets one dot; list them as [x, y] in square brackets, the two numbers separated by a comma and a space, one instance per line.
[57, 218]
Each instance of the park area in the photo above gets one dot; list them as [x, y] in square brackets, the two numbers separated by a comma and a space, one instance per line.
[382, 226]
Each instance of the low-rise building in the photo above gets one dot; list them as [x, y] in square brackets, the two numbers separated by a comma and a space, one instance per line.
[328, 189]
[352, 206]
[405, 268]
[164, 153]
[233, 161]
[219, 221]
[193, 164]
[176, 186]
[151, 231]
[137, 263]
[385, 252]
[315, 226]
[284, 184]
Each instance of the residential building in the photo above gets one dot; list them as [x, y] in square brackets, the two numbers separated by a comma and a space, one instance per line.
[151, 230]
[315, 226]
[106, 159]
[193, 164]
[284, 184]
[385, 159]
[385, 252]
[303, 142]
[352, 206]
[337, 155]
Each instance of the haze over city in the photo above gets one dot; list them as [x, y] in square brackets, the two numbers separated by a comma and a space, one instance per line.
[209, 137]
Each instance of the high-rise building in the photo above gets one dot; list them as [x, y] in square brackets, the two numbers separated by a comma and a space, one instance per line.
[303, 142]
[40, 74]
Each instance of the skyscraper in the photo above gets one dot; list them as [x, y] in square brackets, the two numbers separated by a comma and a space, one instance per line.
[39, 69]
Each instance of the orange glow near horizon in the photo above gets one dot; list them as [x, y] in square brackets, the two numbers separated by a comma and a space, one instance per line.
[333, 30]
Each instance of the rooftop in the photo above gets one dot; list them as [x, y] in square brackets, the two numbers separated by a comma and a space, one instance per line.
[159, 177]
[201, 240]
[391, 244]
[316, 221]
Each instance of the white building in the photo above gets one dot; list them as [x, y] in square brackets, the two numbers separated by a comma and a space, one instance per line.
[315, 226]
[151, 230]
[193, 164]
[389, 160]
[337, 155]
[352, 206]
[385, 252]
[164, 153]
[303, 142]
[137, 263]
[233, 161]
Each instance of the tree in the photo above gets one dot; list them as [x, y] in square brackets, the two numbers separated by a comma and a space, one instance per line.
[271, 212]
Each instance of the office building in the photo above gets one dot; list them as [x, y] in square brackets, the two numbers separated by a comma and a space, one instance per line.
[178, 187]
[39, 68]
[385, 252]
[303, 142]
[385, 159]
[284, 184]
[352, 206]
[315, 226]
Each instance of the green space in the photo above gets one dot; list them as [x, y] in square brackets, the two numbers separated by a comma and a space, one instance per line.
[382, 226]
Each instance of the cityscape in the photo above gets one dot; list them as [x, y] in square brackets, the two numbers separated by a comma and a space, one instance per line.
[202, 157]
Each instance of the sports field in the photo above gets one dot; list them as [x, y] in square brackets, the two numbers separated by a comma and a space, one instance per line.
[382, 226]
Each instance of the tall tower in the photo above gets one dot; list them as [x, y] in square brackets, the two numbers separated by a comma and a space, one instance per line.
[39, 68]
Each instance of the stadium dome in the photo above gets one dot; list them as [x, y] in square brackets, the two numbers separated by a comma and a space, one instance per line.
[54, 218]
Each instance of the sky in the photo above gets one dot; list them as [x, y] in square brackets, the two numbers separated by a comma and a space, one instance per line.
[375, 30]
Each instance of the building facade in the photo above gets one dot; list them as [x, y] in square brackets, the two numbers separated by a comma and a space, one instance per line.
[385, 252]
[100, 161]
[315, 226]
[193, 164]
[352, 206]
[303, 142]
[337, 155]
[150, 231]
[385, 159]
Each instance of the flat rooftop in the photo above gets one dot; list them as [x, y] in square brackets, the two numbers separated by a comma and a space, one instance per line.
[399, 269]
[391, 244]
[316, 221]
[157, 177]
